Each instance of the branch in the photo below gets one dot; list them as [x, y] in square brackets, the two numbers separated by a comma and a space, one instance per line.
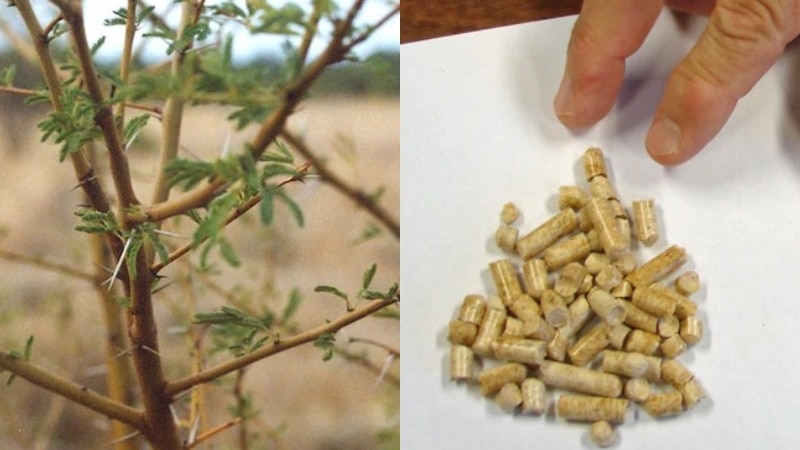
[213, 432]
[175, 387]
[361, 198]
[368, 32]
[127, 55]
[72, 391]
[46, 265]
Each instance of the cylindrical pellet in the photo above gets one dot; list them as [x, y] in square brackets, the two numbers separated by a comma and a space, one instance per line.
[509, 214]
[583, 408]
[610, 309]
[505, 237]
[494, 320]
[674, 373]
[603, 220]
[602, 434]
[636, 318]
[627, 364]
[664, 404]
[623, 290]
[554, 308]
[594, 164]
[557, 347]
[472, 309]
[642, 342]
[579, 315]
[505, 280]
[602, 188]
[591, 234]
[588, 346]
[687, 283]
[626, 262]
[565, 251]
[579, 379]
[644, 216]
[692, 392]
[525, 308]
[571, 197]
[617, 335]
[534, 272]
[570, 279]
[462, 363]
[691, 330]
[586, 285]
[608, 278]
[491, 380]
[668, 326]
[462, 333]
[659, 267]
[514, 327]
[546, 234]
[637, 390]
[534, 396]
[684, 306]
[517, 349]
[538, 328]
[595, 261]
[673, 346]
[654, 301]
[509, 397]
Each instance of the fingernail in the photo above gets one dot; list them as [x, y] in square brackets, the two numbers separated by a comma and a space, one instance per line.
[664, 138]
[563, 102]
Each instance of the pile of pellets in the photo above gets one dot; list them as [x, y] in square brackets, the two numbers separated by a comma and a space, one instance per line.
[586, 319]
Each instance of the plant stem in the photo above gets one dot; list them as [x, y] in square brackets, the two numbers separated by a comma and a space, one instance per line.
[127, 57]
[177, 386]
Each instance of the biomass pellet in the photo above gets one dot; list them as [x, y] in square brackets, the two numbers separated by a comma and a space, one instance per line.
[534, 396]
[617, 335]
[586, 285]
[602, 188]
[557, 347]
[691, 330]
[664, 404]
[684, 306]
[579, 379]
[626, 262]
[692, 393]
[554, 308]
[644, 216]
[509, 214]
[637, 390]
[606, 306]
[565, 251]
[603, 220]
[602, 434]
[608, 278]
[509, 397]
[687, 283]
[675, 373]
[462, 363]
[668, 326]
[642, 342]
[505, 280]
[636, 318]
[623, 290]
[594, 163]
[506, 237]
[588, 346]
[595, 261]
[673, 346]
[654, 301]
[546, 234]
[659, 267]
[571, 197]
[493, 301]
[494, 320]
[534, 273]
[580, 313]
[594, 240]
[462, 333]
[583, 408]
[518, 349]
[524, 307]
[627, 364]
[493, 379]
[514, 327]
[570, 279]
[538, 328]
[472, 309]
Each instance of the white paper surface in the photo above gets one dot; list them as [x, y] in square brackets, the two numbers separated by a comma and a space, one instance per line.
[478, 131]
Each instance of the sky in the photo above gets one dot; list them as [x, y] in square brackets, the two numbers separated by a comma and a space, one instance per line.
[245, 46]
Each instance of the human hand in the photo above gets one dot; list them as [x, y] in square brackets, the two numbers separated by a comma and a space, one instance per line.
[742, 40]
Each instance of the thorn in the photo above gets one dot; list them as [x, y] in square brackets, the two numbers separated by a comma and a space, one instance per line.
[170, 234]
[83, 182]
[124, 438]
[387, 363]
[110, 281]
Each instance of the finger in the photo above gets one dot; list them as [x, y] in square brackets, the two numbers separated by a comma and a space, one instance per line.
[742, 40]
[606, 32]
[703, 7]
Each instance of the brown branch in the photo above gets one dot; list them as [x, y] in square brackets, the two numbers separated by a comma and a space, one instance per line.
[213, 432]
[361, 198]
[42, 263]
[374, 343]
[75, 392]
[368, 32]
[127, 56]
[177, 386]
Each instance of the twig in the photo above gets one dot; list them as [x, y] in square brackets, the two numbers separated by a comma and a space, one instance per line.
[127, 57]
[152, 109]
[41, 263]
[363, 361]
[359, 197]
[213, 432]
[72, 391]
[389, 349]
[368, 32]
[175, 387]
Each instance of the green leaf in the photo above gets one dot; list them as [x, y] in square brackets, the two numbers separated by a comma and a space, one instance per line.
[120, 18]
[227, 252]
[294, 208]
[133, 127]
[133, 252]
[7, 75]
[28, 348]
[369, 274]
[331, 290]
[291, 305]
[369, 232]
[325, 342]
[96, 46]
[267, 205]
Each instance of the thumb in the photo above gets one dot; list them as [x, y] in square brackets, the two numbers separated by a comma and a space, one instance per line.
[742, 40]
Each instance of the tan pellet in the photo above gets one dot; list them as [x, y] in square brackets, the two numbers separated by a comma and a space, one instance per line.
[687, 283]
[673, 346]
[514, 327]
[593, 238]
[583, 408]
[636, 318]
[462, 363]
[595, 261]
[637, 390]
[547, 233]
[601, 187]
[462, 333]
[534, 396]
[659, 267]
[594, 163]
[691, 330]
[505, 280]
[586, 285]
[692, 393]
[580, 313]
[603, 434]
[627, 364]
[509, 214]
[506, 237]
[493, 379]
[472, 309]
[675, 373]
[538, 328]
[524, 307]
[684, 306]
[579, 379]
[654, 301]
[494, 321]
[509, 397]
[603, 220]
[664, 404]
[644, 216]
[570, 279]
[617, 335]
[518, 349]
[565, 251]
[608, 278]
[626, 262]
[642, 342]
[623, 290]
[668, 326]
[534, 273]
[494, 301]
[588, 346]
[557, 347]
[571, 197]
[609, 308]
[554, 308]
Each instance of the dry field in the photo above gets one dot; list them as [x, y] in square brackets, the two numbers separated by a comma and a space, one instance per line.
[303, 402]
